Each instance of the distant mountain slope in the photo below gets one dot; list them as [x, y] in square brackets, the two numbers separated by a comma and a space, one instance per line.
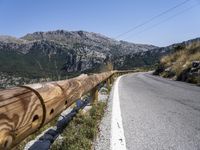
[140, 59]
[90, 40]
[10, 39]
[183, 63]
[58, 53]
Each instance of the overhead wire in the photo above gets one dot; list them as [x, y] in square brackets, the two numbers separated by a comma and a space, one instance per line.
[151, 19]
[163, 21]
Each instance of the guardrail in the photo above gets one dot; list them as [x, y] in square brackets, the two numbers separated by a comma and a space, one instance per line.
[24, 109]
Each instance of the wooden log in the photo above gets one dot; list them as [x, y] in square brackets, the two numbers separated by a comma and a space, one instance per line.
[20, 115]
[23, 110]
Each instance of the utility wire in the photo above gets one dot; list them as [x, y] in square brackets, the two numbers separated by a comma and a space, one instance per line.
[167, 19]
[153, 18]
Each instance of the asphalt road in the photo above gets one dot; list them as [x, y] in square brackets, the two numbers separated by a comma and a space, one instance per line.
[159, 114]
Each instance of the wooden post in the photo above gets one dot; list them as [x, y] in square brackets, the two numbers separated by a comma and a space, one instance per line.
[94, 95]
[108, 83]
[112, 78]
[115, 75]
[118, 74]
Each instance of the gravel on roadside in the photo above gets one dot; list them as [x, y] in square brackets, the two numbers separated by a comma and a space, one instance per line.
[102, 141]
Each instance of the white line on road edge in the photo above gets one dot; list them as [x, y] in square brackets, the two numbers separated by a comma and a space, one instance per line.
[117, 132]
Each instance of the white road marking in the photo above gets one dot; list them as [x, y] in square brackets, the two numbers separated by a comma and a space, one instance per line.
[117, 132]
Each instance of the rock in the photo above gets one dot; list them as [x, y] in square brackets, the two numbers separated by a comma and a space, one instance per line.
[160, 68]
[52, 132]
[196, 64]
[168, 69]
[184, 75]
[47, 137]
[86, 109]
[40, 145]
[79, 103]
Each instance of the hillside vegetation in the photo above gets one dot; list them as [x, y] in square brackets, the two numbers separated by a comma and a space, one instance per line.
[183, 64]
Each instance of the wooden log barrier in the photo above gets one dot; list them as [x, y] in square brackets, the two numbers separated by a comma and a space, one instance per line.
[23, 110]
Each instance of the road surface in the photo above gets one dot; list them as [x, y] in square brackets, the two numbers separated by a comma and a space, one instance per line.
[159, 114]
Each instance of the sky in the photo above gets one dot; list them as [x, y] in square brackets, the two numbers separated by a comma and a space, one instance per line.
[108, 17]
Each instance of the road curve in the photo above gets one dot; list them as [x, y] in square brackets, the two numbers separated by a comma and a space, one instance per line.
[159, 114]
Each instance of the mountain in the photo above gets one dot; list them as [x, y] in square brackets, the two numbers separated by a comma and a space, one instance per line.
[60, 54]
[88, 40]
[56, 54]
[182, 63]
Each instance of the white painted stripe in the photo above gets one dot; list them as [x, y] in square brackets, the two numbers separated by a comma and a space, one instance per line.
[117, 132]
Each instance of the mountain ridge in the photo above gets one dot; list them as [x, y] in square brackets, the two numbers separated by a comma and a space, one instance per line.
[73, 51]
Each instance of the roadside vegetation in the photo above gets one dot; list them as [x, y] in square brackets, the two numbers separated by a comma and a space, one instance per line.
[145, 68]
[182, 65]
[82, 130]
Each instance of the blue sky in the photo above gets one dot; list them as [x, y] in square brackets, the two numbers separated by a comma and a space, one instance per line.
[108, 17]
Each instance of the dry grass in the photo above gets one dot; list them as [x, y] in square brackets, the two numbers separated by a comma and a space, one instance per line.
[181, 59]
[82, 130]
